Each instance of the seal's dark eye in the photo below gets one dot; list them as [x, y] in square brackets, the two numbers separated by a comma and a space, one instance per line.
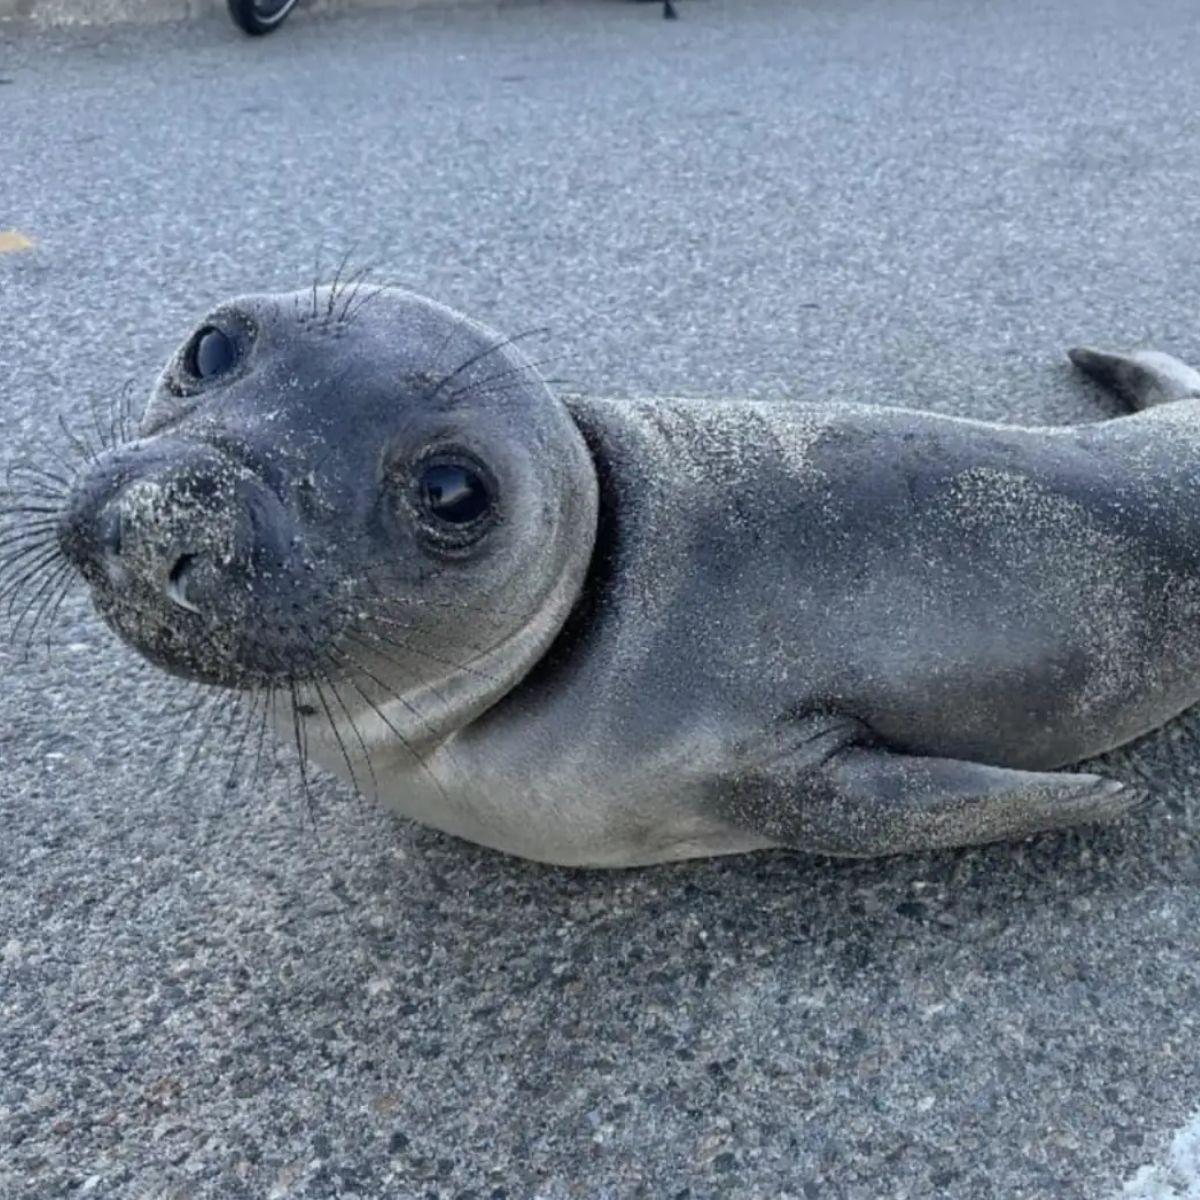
[212, 353]
[454, 493]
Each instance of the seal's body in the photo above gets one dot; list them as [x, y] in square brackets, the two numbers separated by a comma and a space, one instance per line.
[777, 586]
[610, 633]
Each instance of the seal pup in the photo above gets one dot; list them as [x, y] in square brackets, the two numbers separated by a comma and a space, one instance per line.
[609, 633]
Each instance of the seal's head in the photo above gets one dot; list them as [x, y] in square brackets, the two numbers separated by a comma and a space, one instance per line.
[390, 495]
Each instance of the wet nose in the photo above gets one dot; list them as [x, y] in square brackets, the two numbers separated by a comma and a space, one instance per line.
[181, 561]
[171, 525]
[121, 543]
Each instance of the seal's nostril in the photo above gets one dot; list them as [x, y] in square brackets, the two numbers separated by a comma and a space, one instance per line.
[177, 583]
[108, 531]
[182, 563]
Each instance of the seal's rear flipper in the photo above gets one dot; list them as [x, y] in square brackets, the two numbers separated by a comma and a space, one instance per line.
[1145, 378]
[863, 802]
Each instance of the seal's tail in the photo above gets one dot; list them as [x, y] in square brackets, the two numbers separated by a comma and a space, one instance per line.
[1145, 378]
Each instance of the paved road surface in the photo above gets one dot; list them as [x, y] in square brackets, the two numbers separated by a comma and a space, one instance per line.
[915, 201]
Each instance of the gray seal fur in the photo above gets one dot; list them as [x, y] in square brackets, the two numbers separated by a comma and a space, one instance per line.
[687, 627]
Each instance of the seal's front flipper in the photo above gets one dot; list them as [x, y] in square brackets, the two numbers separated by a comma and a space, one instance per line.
[1145, 378]
[862, 801]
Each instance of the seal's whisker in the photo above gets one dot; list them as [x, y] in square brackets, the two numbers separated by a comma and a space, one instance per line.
[274, 697]
[37, 489]
[377, 642]
[351, 314]
[497, 395]
[479, 356]
[30, 518]
[478, 386]
[208, 707]
[115, 406]
[12, 590]
[263, 694]
[231, 780]
[22, 467]
[371, 577]
[435, 362]
[356, 283]
[30, 489]
[224, 714]
[267, 709]
[467, 664]
[471, 610]
[20, 544]
[392, 692]
[44, 594]
[53, 591]
[333, 287]
[375, 618]
[389, 691]
[31, 496]
[35, 526]
[68, 579]
[316, 684]
[28, 502]
[41, 532]
[374, 643]
[96, 426]
[338, 288]
[132, 418]
[77, 442]
[301, 739]
[316, 283]
[195, 693]
[18, 560]
[230, 706]
[10, 509]
[416, 756]
[469, 643]
[329, 679]
[303, 727]
[119, 410]
[349, 290]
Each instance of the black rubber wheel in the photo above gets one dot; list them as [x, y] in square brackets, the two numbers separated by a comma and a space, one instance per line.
[259, 16]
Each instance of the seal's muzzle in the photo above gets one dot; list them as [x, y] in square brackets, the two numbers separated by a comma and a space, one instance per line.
[195, 561]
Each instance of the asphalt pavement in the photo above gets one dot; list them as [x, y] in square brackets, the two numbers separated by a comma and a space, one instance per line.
[206, 993]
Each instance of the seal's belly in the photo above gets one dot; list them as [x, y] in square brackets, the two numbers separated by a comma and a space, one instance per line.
[545, 812]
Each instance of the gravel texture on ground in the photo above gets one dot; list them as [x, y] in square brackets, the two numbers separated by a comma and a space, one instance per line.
[204, 993]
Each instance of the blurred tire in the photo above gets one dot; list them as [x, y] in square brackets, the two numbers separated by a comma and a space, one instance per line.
[259, 16]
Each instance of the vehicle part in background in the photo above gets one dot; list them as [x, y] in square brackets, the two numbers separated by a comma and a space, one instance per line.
[259, 16]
